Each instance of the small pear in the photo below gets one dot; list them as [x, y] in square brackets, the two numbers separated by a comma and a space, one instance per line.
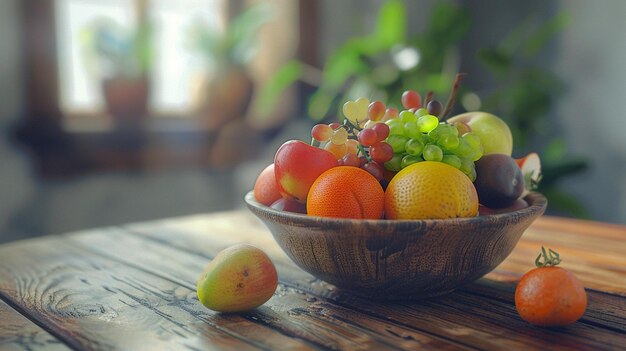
[239, 278]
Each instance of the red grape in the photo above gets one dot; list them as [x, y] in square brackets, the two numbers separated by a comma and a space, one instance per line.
[352, 146]
[367, 137]
[334, 125]
[374, 169]
[376, 110]
[382, 131]
[381, 152]
[411, 99]
[390, 114]
[321, 132]
[350, 160]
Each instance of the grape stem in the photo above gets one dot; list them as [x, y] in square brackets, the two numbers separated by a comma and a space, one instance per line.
[550, 258]
[428, 98]
[455, 88]
[362, 150]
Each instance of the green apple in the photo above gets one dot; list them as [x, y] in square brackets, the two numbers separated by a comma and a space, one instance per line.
[493, 132]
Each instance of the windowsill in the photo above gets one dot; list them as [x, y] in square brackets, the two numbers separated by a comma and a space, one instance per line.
[90, 144]
[104, 123]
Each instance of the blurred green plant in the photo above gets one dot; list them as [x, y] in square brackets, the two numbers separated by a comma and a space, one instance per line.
[524, 94]
[115, 51]
[237, 44]
[380, 65]
[385, 63]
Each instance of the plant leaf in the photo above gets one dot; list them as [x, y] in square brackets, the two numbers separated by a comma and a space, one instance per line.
[545, 33]
[563, 202]
[391, 24]
[271, 91]
[499, 62]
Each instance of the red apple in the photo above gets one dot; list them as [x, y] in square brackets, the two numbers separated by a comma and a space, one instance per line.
[297, 165]
[265, 188]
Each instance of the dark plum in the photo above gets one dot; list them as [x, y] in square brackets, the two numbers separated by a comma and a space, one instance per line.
[499, 181]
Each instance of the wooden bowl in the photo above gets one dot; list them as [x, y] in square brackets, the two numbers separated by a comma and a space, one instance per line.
[398, 259]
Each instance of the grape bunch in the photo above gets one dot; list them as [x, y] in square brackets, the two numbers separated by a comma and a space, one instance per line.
[417, 135]
[361, 140]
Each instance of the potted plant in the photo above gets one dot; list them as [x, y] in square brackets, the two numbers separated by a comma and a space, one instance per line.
[224, 97]
[123, 60]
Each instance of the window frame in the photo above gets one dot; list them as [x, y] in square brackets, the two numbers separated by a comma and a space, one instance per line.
[59, 152]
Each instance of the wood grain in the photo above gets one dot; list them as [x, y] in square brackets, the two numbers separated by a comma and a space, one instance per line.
[247, 228]
[17, 333]
[291, 311]
[470, 316]
[96, 303]
[134, 287]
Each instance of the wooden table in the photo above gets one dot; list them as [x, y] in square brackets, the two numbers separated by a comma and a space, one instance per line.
[133, 288]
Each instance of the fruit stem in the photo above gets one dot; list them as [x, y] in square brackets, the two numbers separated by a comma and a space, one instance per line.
[428, 98]
[362, 150]
[455, 88]
[550, 258]
[351, 127]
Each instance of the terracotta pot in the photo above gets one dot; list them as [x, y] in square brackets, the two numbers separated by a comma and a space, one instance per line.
[225, 97]
[126, 98]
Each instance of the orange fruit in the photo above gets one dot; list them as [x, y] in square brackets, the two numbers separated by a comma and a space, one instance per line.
[346, 192]
[265, 188]
[430, 190]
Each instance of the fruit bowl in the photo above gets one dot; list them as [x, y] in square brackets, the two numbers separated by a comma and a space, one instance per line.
[398, 259]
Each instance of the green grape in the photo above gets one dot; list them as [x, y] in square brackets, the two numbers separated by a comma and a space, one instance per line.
[464, 150]
[409, 160]
[397, 142]
[467, 167]
[448, 141]
[478, 153]
[427, 123]
[414, 147]
[472, 174]
[395, 164]
[339, 136]
[421, 112]
[452, 130]
[426, 139]
[395, 126]
[432, 153]
[472, 140]
[411, 130]
[407, 116]
[452, 160]
[438, 132]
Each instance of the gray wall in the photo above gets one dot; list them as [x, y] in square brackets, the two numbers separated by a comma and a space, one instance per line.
[591, 57]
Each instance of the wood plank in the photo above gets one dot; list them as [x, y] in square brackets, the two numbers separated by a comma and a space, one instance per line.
[598, 263]
[581, 227]
[464, 316]
[290, 311]
[96, 303]
[17, 333]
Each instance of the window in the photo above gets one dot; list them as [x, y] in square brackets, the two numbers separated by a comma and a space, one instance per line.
[68, 124]
[174, 66]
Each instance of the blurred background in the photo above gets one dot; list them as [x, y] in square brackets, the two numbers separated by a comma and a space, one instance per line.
[128, 110]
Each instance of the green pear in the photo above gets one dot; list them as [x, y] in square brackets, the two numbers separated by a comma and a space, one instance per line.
[493, 132]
